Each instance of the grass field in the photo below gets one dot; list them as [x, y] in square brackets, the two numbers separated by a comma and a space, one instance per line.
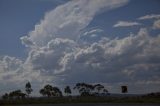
[57, 100]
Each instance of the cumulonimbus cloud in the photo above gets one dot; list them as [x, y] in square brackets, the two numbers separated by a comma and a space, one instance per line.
[126, 60]
[66, 21]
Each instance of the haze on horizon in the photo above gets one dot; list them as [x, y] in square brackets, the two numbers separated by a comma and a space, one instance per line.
[62, 42]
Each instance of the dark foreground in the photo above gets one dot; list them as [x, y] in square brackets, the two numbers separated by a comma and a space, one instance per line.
[92, 104]
[85, 101]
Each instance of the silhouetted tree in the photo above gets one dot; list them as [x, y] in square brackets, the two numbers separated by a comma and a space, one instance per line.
[67, 90]
[124, 89]
[99, 88]
[84, 89]
[50, 91]
[5, 96]
[17, 94]
[42, 92]
[105, 91]
[57, 92]
[28, 88]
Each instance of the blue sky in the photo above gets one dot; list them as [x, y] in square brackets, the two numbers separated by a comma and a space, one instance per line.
[46, 41]
[135, 9]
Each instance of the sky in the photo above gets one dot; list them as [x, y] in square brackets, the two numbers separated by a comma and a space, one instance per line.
[62, 42]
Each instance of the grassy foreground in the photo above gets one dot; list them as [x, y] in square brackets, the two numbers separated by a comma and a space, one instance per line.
[89, 99]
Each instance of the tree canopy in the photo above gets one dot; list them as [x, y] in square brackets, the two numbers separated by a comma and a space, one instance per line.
[28, 88]
[50, 91]
[67, 90]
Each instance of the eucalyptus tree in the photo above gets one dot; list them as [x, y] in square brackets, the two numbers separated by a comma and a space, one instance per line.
[67, 90]
[17, 94]
[98, 88]
[84, 89]
[5, 96]
[28, 88]
[50, 91]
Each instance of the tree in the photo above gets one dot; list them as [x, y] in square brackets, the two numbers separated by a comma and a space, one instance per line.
[50, 91]
[67, 90]
[84, 89]
[17, 94]
[42, 92]
[28, 88]
[5, 96]
[105, 91]
[98, 88]
[124, 89]
[57, 92]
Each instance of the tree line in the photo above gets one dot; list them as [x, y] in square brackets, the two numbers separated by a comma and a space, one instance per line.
[48, 90]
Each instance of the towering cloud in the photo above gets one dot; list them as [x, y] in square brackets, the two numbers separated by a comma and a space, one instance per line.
[53, 43]
[66, 21]
[133, 59]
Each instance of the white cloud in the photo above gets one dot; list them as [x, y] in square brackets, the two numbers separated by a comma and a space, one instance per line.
[10, 72]
[126, 24]
[127, 60]
[133, 59]
[66, 21]
[91, 36]
[26, 41]
[51, 54]
[92, 32]
[151, 16]
[156, 24]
